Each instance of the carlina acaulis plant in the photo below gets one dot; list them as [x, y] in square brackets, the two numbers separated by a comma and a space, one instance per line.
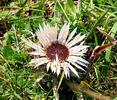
[58, 50]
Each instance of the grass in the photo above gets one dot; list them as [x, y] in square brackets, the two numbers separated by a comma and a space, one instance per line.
[19, 80]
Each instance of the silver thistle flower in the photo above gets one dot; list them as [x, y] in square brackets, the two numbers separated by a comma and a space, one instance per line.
[59, 51]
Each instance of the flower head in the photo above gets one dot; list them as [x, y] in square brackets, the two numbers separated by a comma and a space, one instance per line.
[58, 50]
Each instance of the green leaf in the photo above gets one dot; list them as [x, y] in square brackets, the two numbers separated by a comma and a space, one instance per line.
[20, 56]
[8, 52]
[108, 54]
[97, 72]
[115, 98]
[9, 38]
[114, 30]
[3, 14]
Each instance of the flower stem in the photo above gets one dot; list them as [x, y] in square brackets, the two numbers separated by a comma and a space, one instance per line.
[55, 92]
[61, 79]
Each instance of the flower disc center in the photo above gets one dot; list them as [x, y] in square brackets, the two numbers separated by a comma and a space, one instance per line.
[57, 49]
